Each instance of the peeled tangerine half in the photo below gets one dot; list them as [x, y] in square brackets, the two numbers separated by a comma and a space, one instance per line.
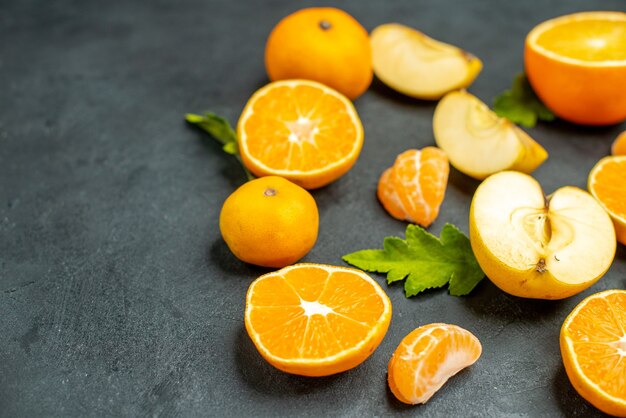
[478, 142]
[414, 64]
[413, 189]
[539, 247]
[427, 358]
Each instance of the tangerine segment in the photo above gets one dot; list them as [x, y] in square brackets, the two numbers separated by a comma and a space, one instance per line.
[316, 320]
[593, 346]
[427, 358]
[387, 195]
[607, 183]
[300, 130]
[415, 187]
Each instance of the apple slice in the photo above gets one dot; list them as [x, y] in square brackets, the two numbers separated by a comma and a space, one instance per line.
[478, 142]
[414, 64]
[539, 247]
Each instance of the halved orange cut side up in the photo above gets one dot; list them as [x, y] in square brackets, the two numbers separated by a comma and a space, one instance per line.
[427, 358]
[316, 320]
[593, 346]
[300, 130]
[577, 66]
[607, 183]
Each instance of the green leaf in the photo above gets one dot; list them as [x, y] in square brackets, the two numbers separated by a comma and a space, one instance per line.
[231, 148]
[424, 260]
[214, 125]
[521, 105]
[220, 129]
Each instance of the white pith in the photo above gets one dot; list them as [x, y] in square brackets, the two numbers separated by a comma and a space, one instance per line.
[315, 308]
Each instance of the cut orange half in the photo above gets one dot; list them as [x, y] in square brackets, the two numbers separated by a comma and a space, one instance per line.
[316, 320]
[427, 358]
[577, 66]
[619, 145]
[607, 183]
[593, 346]
[301, 130]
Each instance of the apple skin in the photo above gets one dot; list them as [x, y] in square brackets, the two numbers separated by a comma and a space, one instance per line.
[523, 283]
[529, 283]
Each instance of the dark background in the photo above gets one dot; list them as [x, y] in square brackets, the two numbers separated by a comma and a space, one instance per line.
[118, 295]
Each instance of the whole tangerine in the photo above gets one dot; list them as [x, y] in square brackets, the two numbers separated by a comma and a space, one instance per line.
[269, 222]
[322, 44]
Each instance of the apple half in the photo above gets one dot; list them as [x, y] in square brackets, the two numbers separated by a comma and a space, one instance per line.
[478, 142]
[539, 247]
[416, 65]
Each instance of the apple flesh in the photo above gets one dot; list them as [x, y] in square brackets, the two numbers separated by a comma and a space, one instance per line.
[539, 247]
[478, 142]
[416, 65]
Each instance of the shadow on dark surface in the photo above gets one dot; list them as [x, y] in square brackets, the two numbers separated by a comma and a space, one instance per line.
[220, 255]
[381, 89]
[620, 254]
[263, 81]
[488, 300]
[569, 401]
[395, 404]
[229, 168]
[261, 376]
[463, 183]
[329, 195]
[581, 131]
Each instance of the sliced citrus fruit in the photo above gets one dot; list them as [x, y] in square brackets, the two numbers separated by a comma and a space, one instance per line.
[619, 145]
[414, 64]
[300, 130]
[427, 358]
[607, 183]
[577, 66]
[593, 346]
[316, 320]
[414, 188]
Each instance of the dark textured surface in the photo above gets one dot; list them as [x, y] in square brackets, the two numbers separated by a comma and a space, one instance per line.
[117, 294]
